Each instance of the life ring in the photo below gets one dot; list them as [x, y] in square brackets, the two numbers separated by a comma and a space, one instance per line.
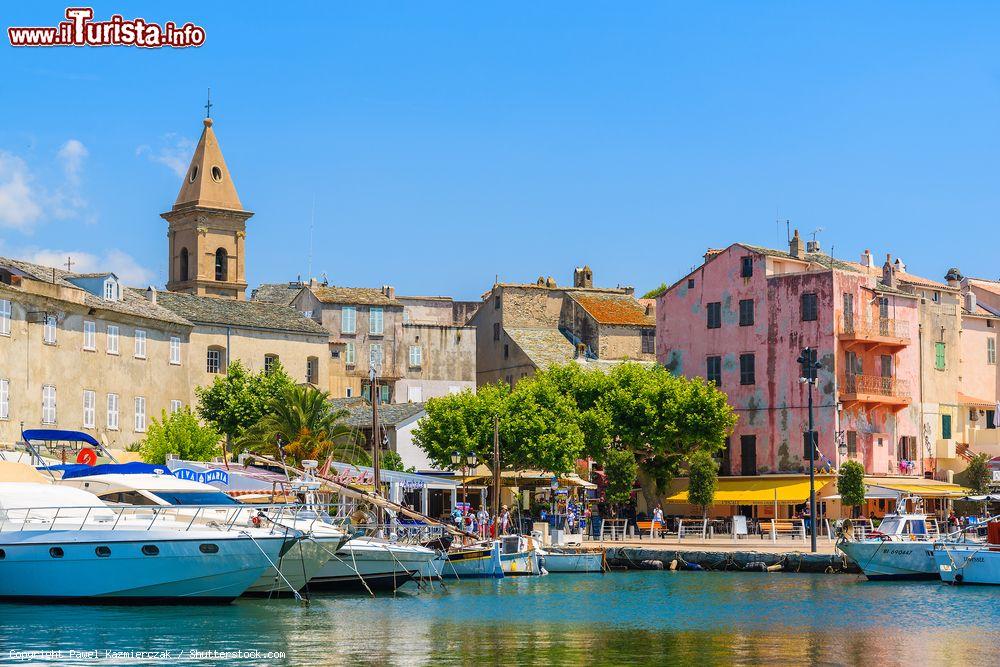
[255, 520]
[87, 457]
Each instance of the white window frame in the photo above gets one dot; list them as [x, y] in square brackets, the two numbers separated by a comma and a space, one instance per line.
[112, 334]
[89, 408]
[4, 398]
[269, 360]
[140, 414]
[175, 350]
[416, 356]
[376, 321]
[140, 344]
[113, 411]
[375, 355]
[49, 415]
[90, 335]
[175, 406]
[49, 330]
[110, 290]
[6, 311]
[350, 355]
[348, 320]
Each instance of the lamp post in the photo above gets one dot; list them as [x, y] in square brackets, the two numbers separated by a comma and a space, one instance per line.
[456, 461]
[809, 367]
[471, 461]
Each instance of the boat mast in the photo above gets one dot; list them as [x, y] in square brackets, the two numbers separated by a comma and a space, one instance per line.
[376, 440]
[496, 467]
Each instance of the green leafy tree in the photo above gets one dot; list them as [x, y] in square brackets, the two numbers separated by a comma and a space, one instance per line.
[463, 423]
[308, 426]
[239, 399]
[656, 291]
[977, 475]
[390, 460]
[851, 484]
[703, 478]
[180, 434]
[620, 468]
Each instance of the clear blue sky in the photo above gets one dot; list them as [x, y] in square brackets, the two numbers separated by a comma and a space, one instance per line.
[447, 143]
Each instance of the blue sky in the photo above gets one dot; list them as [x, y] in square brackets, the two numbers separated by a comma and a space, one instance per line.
[445, 144]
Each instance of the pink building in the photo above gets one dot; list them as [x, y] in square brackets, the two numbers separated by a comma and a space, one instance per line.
[742, 318]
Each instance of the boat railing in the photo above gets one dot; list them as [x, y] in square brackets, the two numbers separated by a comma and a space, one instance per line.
[276, 518]
[961, 534]
[396, 531]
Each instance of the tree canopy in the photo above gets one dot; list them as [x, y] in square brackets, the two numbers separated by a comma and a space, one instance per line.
[180, 434]
[703, 477]
[851, 483]
[239, 399]
[308, 426]
[977, 474]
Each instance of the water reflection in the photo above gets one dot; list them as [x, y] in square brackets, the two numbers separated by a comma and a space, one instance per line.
[620, 618]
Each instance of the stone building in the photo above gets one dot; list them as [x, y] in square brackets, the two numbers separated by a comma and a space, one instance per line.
[521, 328]
[419, 345]
[82, 352]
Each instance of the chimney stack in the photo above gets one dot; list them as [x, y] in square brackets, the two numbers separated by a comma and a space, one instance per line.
[970, 302]
[867, 260]
[795, 247]
[583, 277]
[900, 267]
[953, 277]
[151, 294]
[389, 291]
[889, 272]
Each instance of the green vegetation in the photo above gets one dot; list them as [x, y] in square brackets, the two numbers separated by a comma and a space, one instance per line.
[307, 426]
[390, 460]
[656, 291]
[851, 484]
[977, 474]
[703, 477]
[239, 399]
[182, 435]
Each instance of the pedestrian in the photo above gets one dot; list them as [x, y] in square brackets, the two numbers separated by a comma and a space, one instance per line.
[657, 522]
[504, 526]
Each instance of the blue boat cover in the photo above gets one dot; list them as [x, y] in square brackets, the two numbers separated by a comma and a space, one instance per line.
[69, 472]
[50, 434]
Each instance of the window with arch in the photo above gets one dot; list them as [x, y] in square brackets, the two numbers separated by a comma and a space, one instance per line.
[182, 273]
[221, 264]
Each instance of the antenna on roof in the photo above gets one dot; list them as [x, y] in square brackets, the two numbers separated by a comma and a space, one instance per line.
[815, 232]
[312, 224]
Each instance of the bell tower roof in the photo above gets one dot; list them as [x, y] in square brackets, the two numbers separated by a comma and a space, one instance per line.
[208, 182]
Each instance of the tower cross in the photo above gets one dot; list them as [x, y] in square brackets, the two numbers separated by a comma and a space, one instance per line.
[208, 105]
[69, 264]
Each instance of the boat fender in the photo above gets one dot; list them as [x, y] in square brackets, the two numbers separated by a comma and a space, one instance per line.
[673, 565]
[959, 578]
[756, 566]
[652, 564]
[693, 567]
[774, 568]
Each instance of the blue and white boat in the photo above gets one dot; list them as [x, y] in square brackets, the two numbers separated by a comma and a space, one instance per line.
[519, 556]
[901, 548]
[580, 561]
[63, 544]
[473, 562]
[971, 563]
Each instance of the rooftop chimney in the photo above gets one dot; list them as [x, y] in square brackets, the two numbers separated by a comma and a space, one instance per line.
[812, 246]
[900, 267]
[583, 277]
[970, 302]
[389, 291]
[550, 282]
[953, 277]
[889, 272]
[867, 260]
[151, 294]
[795, 247]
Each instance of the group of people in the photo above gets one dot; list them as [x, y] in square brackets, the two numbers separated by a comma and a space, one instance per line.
[481, 522]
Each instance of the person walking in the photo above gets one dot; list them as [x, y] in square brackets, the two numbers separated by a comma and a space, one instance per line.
[504, 526]
[484, 520]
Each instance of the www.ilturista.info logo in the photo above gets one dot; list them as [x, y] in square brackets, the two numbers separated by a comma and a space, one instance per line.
[81, 30]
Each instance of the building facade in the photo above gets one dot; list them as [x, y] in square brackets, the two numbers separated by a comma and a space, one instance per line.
[742, 319]
[521, 328]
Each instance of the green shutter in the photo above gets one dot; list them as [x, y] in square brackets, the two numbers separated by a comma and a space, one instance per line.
[945, 427]
[939, 360]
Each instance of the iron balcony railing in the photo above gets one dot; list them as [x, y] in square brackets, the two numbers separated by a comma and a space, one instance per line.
[875, 385]
[882, 327]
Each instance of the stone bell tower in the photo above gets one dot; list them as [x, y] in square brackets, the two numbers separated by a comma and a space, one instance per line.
[207, 227]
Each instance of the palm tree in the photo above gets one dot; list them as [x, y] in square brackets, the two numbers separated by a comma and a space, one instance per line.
[308, 426]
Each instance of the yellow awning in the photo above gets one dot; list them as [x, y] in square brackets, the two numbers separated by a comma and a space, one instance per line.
[764, 490]
[925, 488]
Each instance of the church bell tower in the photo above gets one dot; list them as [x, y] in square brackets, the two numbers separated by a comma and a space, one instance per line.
[207, 227]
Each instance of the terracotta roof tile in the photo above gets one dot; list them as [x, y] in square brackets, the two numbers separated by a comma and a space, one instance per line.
[614, 309]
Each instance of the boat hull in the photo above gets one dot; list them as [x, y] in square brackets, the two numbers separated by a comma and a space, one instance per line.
[520, 563]
[887, 560]
[179, 572]
[300, 564]
[380, 565]
[968, 565]
[573, 562]
[471, 564]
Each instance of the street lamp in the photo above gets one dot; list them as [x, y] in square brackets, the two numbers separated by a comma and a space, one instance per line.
[810, 365]
[472, 461]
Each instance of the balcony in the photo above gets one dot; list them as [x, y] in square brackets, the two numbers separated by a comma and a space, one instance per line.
[873, 391]
[872, 333]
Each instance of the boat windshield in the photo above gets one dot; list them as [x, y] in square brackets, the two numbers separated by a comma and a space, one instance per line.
[889, 526]
[917, 527]
[196, 498]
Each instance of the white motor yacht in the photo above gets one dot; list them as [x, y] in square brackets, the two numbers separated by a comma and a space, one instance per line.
[371, 563]
[901, 548]
[143, 485]
[63, 544]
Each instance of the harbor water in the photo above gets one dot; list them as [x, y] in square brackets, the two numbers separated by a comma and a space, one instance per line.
[617, 618]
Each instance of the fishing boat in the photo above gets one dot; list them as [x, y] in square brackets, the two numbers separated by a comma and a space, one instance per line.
[141, 484]
[519, 556]
[63, 544]
[480, 561]
[901, 548]
[561, 559]
[965, 563]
